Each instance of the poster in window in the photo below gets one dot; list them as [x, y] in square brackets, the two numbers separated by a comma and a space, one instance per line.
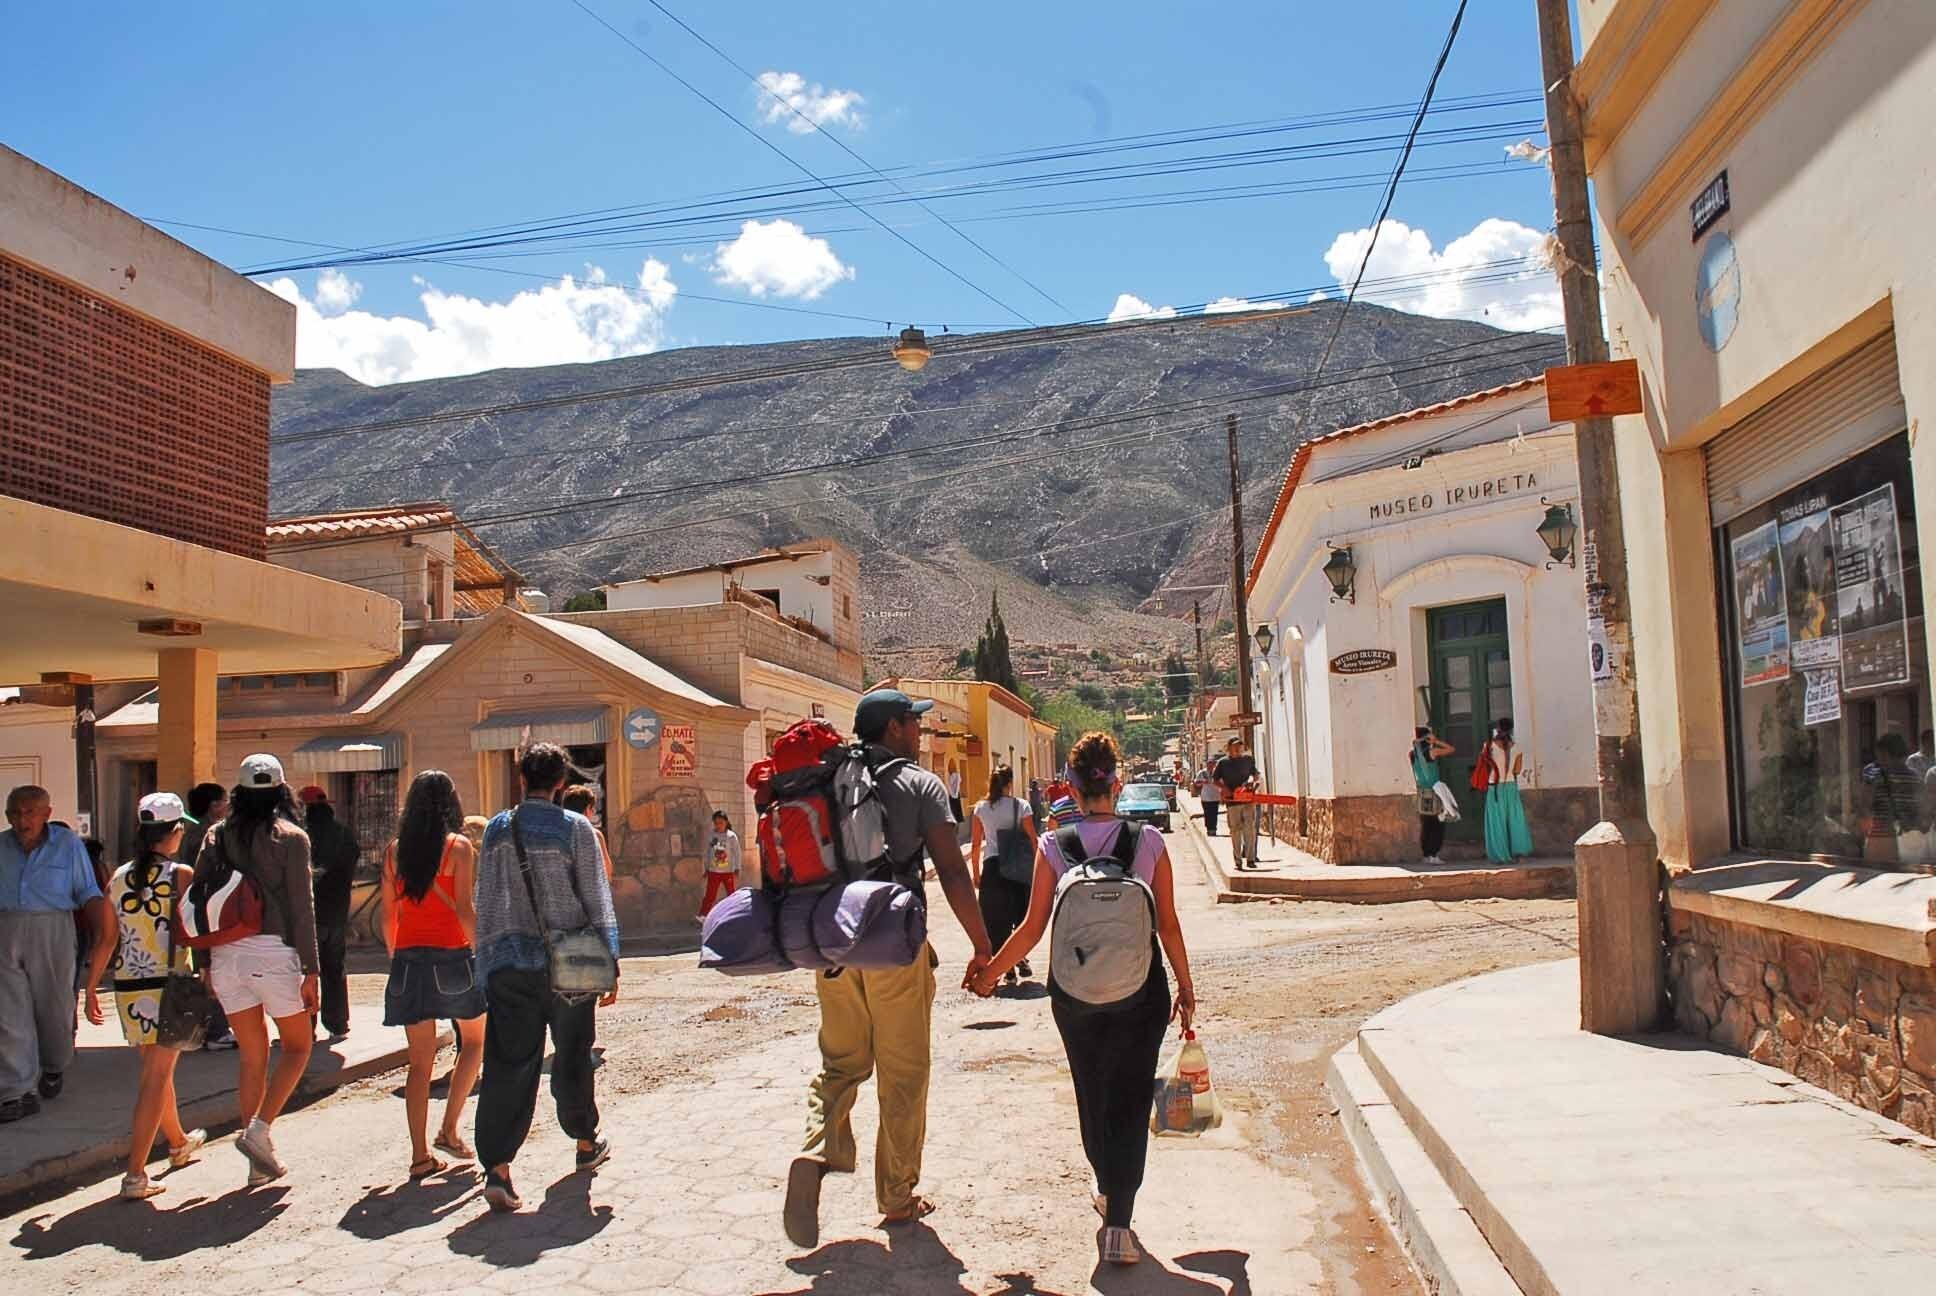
[1822, 699]
[1761, 608]
[1869, 591]
[1808, 568]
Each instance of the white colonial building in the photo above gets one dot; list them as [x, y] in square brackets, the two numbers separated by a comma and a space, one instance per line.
[1407, 576]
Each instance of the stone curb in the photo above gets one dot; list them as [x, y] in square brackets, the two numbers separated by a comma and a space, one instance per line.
[1439, 1236]
[216, 1113]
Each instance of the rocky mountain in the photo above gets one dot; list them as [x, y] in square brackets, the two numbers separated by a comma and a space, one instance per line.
[1078, 473]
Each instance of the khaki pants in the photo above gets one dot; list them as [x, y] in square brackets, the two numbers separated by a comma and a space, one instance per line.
[1243, 831]
[875, 1021]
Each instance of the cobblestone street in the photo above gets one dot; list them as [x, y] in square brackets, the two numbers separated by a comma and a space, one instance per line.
[703, 1098]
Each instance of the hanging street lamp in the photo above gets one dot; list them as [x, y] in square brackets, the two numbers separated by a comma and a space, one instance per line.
[912, 351]
[1343, 574]
[1557, 533]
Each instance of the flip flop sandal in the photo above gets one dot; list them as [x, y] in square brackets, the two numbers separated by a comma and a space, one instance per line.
[428, 1166]
[457, 1147]
[917, 1208]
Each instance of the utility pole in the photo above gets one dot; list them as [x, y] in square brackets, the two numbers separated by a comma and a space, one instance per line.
[1622, 959]
[1237, 599]
[1203, 683]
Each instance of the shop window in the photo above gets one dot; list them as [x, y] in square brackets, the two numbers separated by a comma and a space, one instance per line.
[1828, 679]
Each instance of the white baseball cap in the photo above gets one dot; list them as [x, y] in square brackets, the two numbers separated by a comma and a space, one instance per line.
[261, 771]
[161, 808]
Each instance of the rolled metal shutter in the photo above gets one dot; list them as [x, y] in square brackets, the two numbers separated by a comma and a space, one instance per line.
[1850, 406]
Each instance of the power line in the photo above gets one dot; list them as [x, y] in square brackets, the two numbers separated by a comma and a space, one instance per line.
[771, 147]
[1398, 172]
[844, 148]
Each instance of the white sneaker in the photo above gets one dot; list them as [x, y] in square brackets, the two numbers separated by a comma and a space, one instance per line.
[191, 1144]
[138, 1187]
[255, 1144]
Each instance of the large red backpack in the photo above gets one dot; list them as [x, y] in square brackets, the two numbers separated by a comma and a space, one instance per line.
[820, 816]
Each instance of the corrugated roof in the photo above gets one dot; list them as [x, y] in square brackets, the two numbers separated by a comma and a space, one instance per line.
[1295, 473]
[802, 549]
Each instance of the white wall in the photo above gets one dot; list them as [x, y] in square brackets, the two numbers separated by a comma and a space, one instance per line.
[798, 579]
[37, 746]
[1357, 725]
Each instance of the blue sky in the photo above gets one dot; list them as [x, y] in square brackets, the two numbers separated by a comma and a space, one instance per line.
[354, 124]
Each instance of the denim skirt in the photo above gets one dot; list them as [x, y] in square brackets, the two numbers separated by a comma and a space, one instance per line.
[428, 984]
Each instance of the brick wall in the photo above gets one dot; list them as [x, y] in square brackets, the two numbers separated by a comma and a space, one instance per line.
[106, 414]
[1859, 1025]
[703, 644]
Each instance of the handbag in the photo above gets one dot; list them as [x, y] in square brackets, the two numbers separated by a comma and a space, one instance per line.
[187, 1004]
[1014, 852]
[578, 962]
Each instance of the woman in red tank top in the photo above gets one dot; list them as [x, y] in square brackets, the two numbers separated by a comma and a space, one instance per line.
[429, 921]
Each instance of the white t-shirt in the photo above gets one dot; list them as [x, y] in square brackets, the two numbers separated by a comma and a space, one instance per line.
[993, 816]
[954, 783]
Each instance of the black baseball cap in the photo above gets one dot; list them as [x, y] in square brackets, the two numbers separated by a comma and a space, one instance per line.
[884, 706]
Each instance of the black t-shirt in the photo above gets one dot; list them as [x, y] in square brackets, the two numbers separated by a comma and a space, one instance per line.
[1233, 772]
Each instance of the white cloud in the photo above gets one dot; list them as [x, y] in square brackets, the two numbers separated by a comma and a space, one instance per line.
[1131, 307]
[1318, 296]
[787, 99]
[1448, 282]
[1230, 305]
[568, 322]
[778, 257]
[336, 292]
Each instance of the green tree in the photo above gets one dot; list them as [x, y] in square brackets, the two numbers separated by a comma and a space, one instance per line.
[1092, 694]
[965, 659]
[588, 601]
[1178, 681]
[1073, 718]
[991, 649]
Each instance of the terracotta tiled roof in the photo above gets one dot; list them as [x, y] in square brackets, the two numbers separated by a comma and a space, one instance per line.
[1302, 458]
[396, 519]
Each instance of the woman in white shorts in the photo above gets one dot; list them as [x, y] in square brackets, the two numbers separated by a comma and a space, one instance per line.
[272, 973]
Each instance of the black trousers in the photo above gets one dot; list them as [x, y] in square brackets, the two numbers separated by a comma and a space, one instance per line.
[1003, 904]
[1210, 817]
[522, 1008]
[1112, 1059]
[1431, 834]
[332, 944]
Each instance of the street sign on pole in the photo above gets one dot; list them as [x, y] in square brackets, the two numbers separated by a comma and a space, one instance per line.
[1246, 719]
[1584, 391]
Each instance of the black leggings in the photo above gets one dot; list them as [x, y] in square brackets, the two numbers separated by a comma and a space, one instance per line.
[1210, 817]
[1112, 1059]
[1431, 834]
[1003, 904]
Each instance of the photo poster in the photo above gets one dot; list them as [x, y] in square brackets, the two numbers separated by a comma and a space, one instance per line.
[1808, 570]
[1762, 606]
[1870, 602]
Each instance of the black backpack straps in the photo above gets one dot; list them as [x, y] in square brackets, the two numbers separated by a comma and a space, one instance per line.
[1069, 842]
[1127, 842]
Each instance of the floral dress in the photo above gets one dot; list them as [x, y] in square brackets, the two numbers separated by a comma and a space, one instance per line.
[140, 969]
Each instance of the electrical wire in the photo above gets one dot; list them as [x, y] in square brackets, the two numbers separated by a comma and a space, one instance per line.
[843, 146]
[775, 149]
[1398, 173]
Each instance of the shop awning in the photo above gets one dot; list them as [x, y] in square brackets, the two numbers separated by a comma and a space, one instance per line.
[349, 754]
[569, 727]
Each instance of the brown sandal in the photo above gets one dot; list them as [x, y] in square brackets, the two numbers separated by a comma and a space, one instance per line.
[917, 1207]
[430, 1165]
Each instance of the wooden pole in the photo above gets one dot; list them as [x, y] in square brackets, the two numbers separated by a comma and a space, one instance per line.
[1622, 958]
[1237, 595]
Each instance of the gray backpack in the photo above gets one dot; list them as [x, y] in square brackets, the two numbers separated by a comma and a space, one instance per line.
[1105, 921]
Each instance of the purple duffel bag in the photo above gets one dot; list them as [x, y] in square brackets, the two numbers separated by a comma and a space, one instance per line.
[851, 925]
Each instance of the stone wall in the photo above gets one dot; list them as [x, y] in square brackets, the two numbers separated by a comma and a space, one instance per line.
[1856, 1024]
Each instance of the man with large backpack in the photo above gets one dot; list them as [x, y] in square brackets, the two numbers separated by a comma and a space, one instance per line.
[878, 1021]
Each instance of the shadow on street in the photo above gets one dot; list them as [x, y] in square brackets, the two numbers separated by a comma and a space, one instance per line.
[563, 1219]
[156, 1229]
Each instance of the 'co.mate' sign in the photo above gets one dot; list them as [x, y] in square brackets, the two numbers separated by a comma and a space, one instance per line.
[1363, 661]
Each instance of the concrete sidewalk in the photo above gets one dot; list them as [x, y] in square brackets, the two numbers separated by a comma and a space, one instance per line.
[86, 1128]
[1285, 872]
[1654, 1164]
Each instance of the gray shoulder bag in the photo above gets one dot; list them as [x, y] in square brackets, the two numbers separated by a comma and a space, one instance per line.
[579, 962]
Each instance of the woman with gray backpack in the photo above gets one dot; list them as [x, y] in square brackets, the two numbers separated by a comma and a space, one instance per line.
[1004, 827]
[1106, 885]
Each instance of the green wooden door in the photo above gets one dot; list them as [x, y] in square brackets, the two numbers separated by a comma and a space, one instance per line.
[1471, 687]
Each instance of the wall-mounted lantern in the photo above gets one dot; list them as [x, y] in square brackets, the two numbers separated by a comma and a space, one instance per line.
[1343, 574]
[1264, 638]
[1557, 533]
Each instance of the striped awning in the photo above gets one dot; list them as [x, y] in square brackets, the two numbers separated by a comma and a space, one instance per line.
[349, 754]
[571, 727]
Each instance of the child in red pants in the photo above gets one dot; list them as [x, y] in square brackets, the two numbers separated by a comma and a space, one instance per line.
[722, 862]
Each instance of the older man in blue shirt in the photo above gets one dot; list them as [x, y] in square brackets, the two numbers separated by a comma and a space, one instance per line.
[45, 875]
